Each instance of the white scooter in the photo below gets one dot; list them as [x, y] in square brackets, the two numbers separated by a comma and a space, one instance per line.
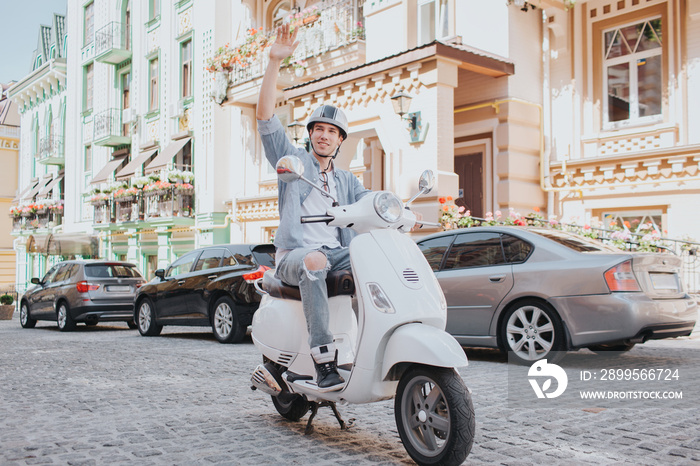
[392, 342]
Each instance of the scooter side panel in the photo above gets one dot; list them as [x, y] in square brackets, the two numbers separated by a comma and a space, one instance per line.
[418, 343]
[280, 332]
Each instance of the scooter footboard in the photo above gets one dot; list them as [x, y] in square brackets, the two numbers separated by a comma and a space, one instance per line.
[422, 344]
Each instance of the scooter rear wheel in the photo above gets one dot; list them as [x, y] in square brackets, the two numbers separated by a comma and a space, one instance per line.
[291, 406]
[434, 416]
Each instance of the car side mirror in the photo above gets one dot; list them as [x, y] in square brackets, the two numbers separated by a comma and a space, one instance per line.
[160, 273]
[35, 281]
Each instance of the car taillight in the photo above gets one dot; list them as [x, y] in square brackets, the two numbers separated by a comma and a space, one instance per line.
[621, 278]
[251, 277]
[140, 284]
[84, 287]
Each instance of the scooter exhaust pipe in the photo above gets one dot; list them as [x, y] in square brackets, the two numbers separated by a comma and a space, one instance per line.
[264, 379]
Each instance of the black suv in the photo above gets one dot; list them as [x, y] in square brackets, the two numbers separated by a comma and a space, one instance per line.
[88, 291]
[208, 286]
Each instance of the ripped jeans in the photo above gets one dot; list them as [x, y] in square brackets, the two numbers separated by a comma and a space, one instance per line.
[312, 285]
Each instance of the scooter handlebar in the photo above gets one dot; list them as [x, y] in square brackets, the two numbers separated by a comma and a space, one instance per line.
[317, 219]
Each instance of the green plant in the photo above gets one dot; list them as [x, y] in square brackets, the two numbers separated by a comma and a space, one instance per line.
[6, 299]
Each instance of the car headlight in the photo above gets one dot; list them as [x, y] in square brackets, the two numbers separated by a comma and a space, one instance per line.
[388, 206]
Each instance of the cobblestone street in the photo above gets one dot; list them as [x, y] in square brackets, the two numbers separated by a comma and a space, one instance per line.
[106, 395]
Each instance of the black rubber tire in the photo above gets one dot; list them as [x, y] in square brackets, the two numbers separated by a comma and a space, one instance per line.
[25, 319]
[225, 322]
[63, 318]
[439, 434]
[147, 319]
[544, 328]
[291, 406]
[622, 347]
[131, 324]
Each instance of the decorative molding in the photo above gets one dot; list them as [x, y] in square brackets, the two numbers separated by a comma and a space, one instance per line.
[362, 91]
[257, 209]
[11, 144]
[185, 22]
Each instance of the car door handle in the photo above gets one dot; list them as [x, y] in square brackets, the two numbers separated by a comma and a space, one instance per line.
[181, 282]
[212, 277]
[497, 278]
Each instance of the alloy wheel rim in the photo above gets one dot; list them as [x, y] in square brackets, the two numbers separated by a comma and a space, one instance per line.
[23, 314]
[530, 333]
[426, 416]
[223, 319]
[144, 316]
[62, 316]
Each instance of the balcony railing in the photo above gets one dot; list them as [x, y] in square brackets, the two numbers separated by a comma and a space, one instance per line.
[108, 129]
[173, 201]
[51, 150]
[112, 43]
[42, 218]
[170, 202]
[336, 26]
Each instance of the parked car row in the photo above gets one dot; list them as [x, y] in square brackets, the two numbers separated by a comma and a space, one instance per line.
[534, 292]
[211, 286]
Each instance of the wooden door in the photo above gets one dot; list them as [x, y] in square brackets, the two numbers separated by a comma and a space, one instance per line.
[471, 183]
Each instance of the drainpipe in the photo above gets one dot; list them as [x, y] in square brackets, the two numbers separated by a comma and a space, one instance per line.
[546, 113]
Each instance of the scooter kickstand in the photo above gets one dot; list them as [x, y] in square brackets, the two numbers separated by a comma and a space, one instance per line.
[314, 409]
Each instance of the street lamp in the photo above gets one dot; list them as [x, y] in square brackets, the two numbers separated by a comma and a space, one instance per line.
[296, 130]
[401, 103]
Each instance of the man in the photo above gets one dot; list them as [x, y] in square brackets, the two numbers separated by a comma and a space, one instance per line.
[307, 252]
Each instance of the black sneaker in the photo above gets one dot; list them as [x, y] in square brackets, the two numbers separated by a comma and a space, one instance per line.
[327, 377]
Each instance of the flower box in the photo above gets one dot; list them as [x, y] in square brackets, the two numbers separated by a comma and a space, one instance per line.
[310, 19]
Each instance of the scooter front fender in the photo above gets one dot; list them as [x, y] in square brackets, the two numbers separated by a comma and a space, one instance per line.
[422, 344]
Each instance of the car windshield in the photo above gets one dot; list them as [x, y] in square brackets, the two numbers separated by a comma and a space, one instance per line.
[265, 255]
[111, 270]
[574, 241]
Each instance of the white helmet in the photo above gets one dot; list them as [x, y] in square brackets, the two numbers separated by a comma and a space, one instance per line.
[331, 115]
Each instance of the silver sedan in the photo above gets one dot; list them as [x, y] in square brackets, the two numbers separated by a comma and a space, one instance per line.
[539, 292]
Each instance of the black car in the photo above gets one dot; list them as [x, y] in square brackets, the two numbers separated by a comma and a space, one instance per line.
[208, 286]
[88, 291]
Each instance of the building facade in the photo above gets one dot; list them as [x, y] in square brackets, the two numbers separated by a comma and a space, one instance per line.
[41, 98]
[581, 109]
[9, 155]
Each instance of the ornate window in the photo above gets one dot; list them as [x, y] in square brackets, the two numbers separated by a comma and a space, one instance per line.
[153, 89]
[88, 23]
[186, 70]
[89, 81]
[633, 73]
[433, 20]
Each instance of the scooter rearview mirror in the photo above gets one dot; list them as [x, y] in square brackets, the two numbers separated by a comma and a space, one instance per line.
[289, 168]
[425, 185]
[426, 182]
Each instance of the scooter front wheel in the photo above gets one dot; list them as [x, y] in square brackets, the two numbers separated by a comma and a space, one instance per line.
[434, 416]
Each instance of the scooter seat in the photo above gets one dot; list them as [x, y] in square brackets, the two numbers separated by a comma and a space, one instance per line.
[339, 282]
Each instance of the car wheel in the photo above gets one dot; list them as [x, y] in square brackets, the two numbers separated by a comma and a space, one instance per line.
[147, 320]
[63, 318]
[622, 347]
[131, 324]
[531, 330]
[224, 321]
[25, 319]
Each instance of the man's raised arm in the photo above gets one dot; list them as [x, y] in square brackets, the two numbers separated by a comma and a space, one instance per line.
[283, 47]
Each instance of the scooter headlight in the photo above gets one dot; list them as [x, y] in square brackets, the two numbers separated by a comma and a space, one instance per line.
[388, 206]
